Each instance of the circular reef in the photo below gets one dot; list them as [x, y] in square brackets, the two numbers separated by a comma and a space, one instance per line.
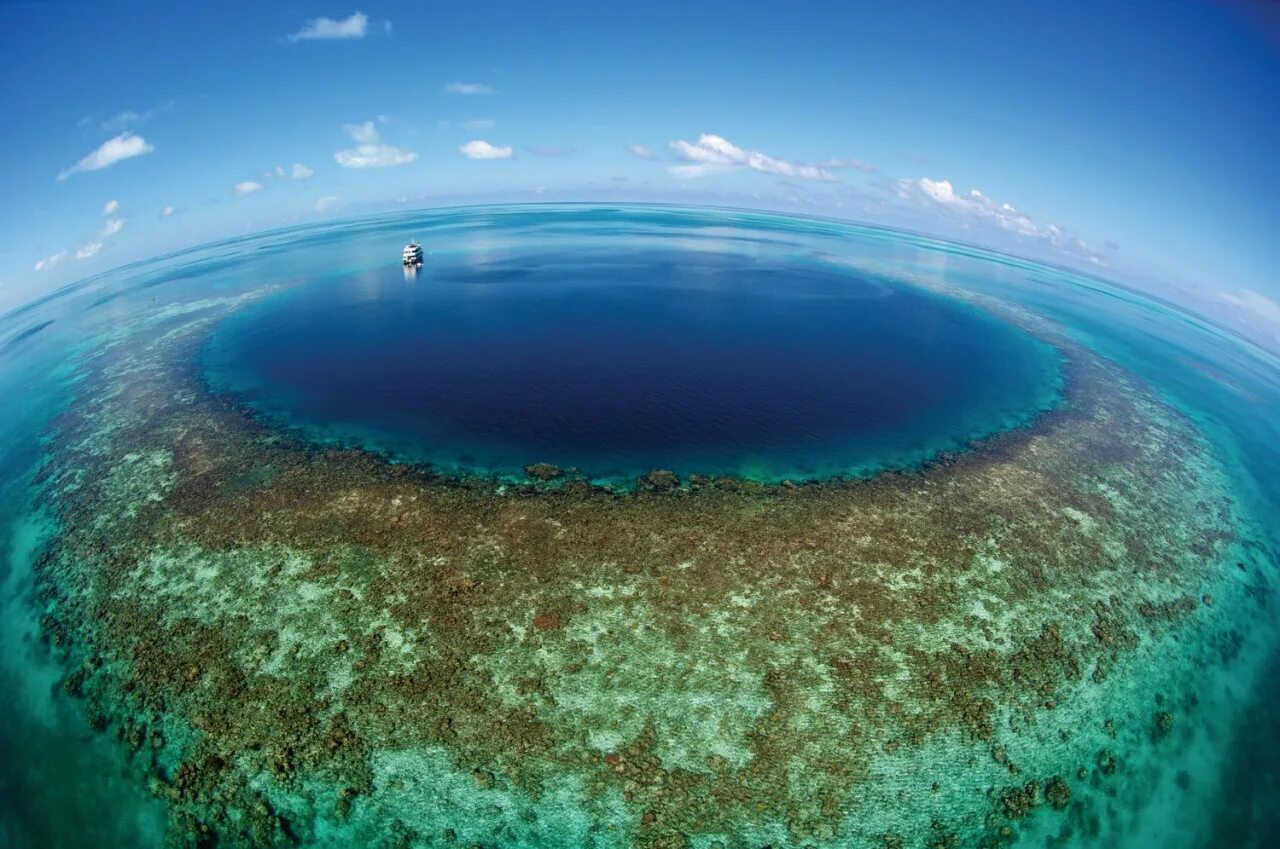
[319, 603]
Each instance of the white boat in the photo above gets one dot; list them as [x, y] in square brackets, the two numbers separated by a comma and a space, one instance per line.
[412, 254]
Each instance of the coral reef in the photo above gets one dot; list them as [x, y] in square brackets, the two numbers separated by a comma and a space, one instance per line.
[306, 643]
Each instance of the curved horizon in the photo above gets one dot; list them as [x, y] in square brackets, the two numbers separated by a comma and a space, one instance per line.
[982, 251]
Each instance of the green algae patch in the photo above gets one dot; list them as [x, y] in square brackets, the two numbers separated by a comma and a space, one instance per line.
[321, 646]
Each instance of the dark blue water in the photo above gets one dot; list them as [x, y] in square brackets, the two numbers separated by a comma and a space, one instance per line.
[617, 361]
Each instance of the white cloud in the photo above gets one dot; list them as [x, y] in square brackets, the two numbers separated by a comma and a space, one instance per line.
[167, 211]
[51, 261]
[551, 151]
[369, 152]
[326, 203]
[90, 248]
[641, 151]
[297, 172]
[479, 149]
[1253, 304]
[354, 26]
[855, 164]
[127, 118]
[248, 187]
[123, 120]
[712, 153]
[365, 133]
[110, 207]
[467, 88]
[113, 150]
[975, 206]
[374, 156]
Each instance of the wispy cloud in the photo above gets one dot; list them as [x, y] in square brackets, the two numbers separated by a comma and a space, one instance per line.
[467, 88]
[167, 211]
[551, 151]
[51, 260]
[129, 118]
[469, 124]
[365, 133]
[122, 121]
[975, 206]
[297, 172]
[1256, 313]
[369, 151]
[110, 227]
[326, 203]
[641, 151]
[247, 187]
[479, 149]
[113, 150]
[711, 154]
[854, 164]
[1253, 304]
[316, 29]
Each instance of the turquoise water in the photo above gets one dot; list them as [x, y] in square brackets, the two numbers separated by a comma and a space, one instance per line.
[69, 785]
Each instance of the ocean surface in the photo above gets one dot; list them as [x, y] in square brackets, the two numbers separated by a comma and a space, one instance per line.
[617, 340]
[618, 361]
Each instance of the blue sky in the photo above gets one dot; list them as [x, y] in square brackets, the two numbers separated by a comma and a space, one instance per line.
[1136, 140]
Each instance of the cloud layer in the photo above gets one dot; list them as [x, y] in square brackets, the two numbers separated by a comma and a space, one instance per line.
[711, 154]
[113, 150]
[977, 207]
[354, 26]
[369, 151]
[479, 149]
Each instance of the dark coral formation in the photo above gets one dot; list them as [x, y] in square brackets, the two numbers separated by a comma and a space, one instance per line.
[295, 636]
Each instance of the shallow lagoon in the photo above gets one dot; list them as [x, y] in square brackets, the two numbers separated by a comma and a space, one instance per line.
[798, 645]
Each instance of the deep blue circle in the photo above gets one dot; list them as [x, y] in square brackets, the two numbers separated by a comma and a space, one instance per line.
[619, 361]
